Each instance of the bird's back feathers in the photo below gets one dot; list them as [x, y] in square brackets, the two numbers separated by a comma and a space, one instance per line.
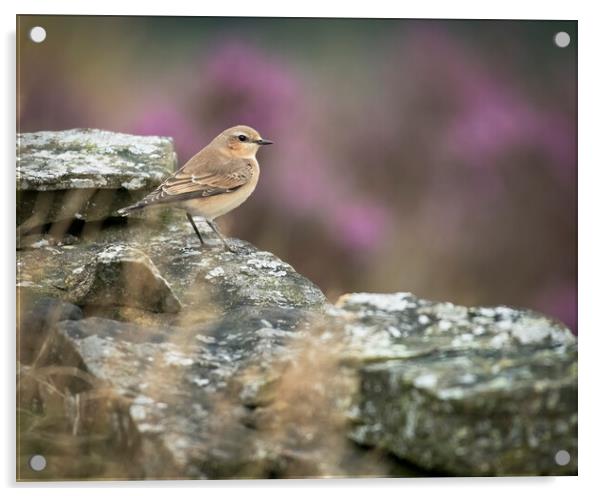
[208, 173]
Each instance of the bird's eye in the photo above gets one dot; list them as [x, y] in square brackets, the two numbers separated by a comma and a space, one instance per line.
[242, 137]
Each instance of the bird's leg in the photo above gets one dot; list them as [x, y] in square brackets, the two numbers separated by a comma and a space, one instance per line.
[213, 226]
[191, 220]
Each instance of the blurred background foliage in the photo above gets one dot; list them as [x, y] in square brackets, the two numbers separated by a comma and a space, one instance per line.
[437, 157]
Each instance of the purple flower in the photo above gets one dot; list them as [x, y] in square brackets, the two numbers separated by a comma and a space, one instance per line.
[238, 84]
[362, 226]
[166, 120]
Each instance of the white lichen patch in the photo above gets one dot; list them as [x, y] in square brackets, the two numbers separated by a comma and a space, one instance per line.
[487, 312]
[177, 358]
[504, 325]
[200, 381]
[142, 399]
[216, 272]
[500, 340]
[138, 412]
[274, 268]
[134, 183]
[40, 244]
[478, 330]
[426, 381]
[123, 253]
[269, 333]
[462, 340]
[26, 284]
[118, 253]
[394, 332]
[450, 312]
[424, 319]
[536, 330]
[467, 378]
[88, 158]
[505, 312]
[451, 393]
[205, 339]
[386, 302]
[445, 325]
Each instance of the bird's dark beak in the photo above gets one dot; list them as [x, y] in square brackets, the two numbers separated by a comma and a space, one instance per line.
[264, 142]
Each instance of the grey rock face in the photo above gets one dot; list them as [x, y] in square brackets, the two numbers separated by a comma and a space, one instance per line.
[86, 173]
[178, 381]
[36, 317]
[91, 158]
[184, 374]
[217, 400]
[466, 391]
[199, 276]
[123, 276]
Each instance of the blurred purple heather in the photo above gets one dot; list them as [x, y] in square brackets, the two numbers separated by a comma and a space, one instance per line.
[167, 120]
[240, 84]
[559, 300]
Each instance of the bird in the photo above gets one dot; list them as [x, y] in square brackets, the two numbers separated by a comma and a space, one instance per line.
[213, 182]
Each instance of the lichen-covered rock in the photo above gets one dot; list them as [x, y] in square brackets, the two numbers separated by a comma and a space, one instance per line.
[254, 277]
[185, 374]
[219, 400]
[177, 379]
[86, 173]
[200, 276]
[260, 386]
[465, 391]
[122, 276]
[193, 361]
[91, 158]
[36, 317]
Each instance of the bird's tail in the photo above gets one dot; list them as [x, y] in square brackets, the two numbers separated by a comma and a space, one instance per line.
[122, 212]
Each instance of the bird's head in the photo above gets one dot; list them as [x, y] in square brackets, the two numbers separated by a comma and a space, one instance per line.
[241, 141]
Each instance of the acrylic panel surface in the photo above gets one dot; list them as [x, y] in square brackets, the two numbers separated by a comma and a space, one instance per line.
[415, 162]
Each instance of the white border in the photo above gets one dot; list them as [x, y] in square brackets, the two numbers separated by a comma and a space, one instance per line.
[590, 217]
[552, 9]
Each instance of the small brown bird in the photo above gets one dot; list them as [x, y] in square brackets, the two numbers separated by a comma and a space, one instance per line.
[212, 183]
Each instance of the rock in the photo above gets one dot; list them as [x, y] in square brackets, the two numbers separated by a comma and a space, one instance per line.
[216, 399]
[36, 316]
[252, 382]
[208, 277]
[194, 362]
[464, 391]
[177, 379]
[85, 173]
[123, 276]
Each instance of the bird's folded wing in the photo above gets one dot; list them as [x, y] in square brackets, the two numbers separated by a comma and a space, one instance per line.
[186, 185]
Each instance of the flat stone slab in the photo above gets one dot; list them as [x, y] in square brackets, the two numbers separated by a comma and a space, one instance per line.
[86, 173]
[465, 391]
[91, 158]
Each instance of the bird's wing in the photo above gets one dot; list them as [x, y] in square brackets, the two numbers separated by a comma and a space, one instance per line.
[199, 180]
